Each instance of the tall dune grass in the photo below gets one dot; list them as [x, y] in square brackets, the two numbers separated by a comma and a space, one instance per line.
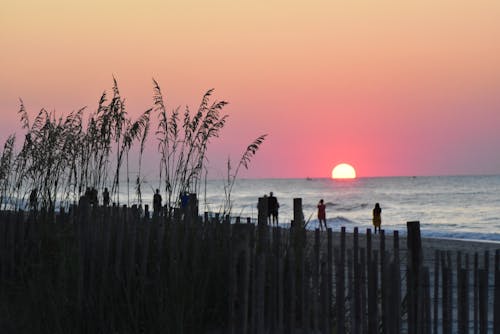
[62, 156]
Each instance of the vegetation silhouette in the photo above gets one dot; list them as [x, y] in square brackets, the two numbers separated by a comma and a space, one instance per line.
[62, 156]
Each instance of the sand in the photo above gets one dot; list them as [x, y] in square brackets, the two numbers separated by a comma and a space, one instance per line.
[429, 246]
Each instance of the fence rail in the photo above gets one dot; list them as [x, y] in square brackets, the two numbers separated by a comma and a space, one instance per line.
[112, 270]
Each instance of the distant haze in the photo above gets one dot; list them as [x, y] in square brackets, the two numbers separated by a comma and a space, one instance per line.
[390, 87]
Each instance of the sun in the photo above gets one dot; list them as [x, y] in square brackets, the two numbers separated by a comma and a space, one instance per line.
[343, 171]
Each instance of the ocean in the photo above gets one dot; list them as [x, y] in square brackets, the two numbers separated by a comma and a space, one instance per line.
[459, 207]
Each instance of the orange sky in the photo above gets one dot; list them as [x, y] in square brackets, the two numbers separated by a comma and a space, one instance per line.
[391, 87]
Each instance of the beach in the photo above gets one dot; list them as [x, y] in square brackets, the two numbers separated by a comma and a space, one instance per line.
[429, 246]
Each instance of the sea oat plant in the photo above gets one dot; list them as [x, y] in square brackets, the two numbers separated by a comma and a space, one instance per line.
[183, 147]
[6, 162]
[231, 177]
[61, 157]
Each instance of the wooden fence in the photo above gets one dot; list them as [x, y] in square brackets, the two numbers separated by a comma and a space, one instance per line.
[111, 270]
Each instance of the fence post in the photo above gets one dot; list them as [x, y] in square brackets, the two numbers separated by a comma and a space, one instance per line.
[483, 294]
[298, 236]
[372, 294]
[292, 274]
[315, 281]
[426, 301]
[362, 288]
[350, 285]
[279, 278]
[368, 247]
[436, 292]
[383, 309]
[239, 285]
[341, 298]
[496, 305]
[298, 215]
[330, 275]
[446, 306]
[325, 309]
[340, 292]
[463, 301]
[387, 283]
[475, 295]
[414, 262]
[356, 291]
[396, 286]
[483, 301]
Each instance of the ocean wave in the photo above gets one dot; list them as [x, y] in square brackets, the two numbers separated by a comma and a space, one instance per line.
[351, 207]
[332, 222]
[495, 237]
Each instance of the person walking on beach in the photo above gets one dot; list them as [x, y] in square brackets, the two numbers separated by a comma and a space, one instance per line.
[322, 214]
[272, 207]
[377, 217]
[157, 203]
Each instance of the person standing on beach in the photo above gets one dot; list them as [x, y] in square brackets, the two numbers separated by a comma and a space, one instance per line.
[105, 197]
[272, 207]
[93, 198]
[184, 201]
[322, 214]
[34, 199]
[157, 203]
[377, 217]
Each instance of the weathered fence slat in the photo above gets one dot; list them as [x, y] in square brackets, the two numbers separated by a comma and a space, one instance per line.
[496, 303]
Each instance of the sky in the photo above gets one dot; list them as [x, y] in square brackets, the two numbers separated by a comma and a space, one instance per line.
[394, 88]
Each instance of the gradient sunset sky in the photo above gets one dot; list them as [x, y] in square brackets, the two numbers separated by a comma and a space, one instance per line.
[391, 87]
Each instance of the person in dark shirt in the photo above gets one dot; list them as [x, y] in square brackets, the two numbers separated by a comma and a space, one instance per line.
[105, 197]
[34, 199]
[272, 208]
[157, 203]
[377, 217]
[93, 196]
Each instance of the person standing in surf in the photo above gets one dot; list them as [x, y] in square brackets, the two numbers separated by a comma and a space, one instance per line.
[322, 214]
[377, 217]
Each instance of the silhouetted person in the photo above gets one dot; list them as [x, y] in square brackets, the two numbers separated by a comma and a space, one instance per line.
[105, 197]
[184, 203]
[88, 193]
[93, 196]
[34, 199]
[262, 211]
[377, 217]
[322, 214]
[184, 199]
[272, 208]
[84, 201]
[157, 203]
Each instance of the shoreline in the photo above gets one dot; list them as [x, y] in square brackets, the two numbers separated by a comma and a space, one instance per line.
[452, 249]
[467, 248]
[445, 243]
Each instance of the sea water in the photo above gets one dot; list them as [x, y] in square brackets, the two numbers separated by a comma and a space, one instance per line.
[463, 207]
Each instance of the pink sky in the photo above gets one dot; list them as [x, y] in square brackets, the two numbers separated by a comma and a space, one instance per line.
[391, 87]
